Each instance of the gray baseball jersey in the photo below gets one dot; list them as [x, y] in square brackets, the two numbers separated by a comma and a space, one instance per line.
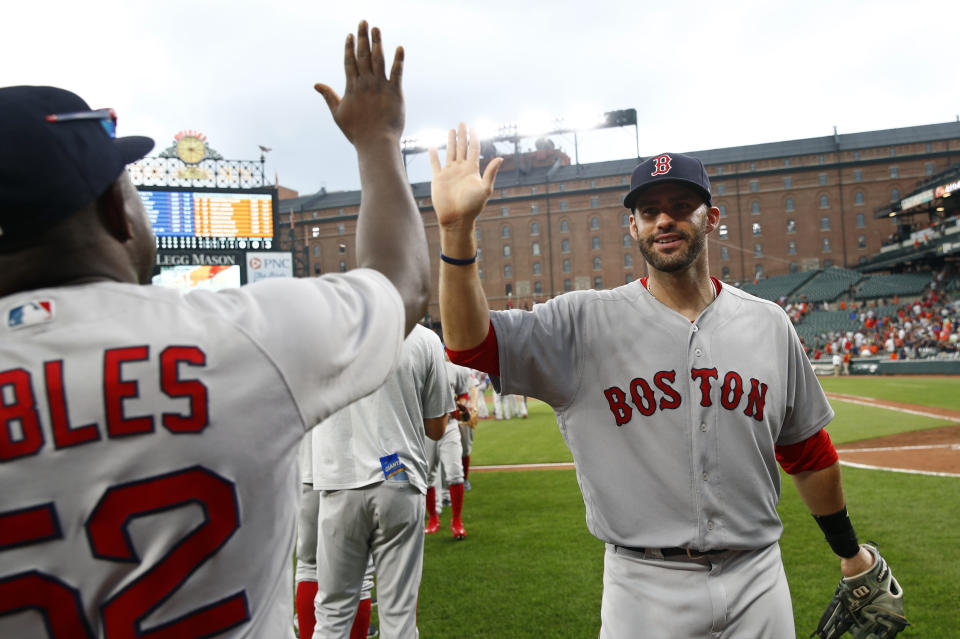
[148, 442]
[671, 423]
[349, 446]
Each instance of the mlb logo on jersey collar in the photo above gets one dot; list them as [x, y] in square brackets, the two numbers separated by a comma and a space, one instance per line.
[31, 313]
[668, 167]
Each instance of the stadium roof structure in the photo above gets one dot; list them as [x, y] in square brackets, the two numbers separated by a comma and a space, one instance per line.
[747, 153]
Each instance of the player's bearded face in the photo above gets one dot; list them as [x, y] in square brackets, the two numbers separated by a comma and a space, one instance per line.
[675, 248]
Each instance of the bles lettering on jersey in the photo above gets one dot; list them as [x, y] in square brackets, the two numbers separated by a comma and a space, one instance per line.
[25, 427]
[640, 395]
[393, 468]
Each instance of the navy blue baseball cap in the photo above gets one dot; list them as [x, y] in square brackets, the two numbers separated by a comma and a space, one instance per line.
[669, 167]
[56, 156]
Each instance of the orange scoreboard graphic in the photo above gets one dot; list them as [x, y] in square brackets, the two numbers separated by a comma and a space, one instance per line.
[209, 214]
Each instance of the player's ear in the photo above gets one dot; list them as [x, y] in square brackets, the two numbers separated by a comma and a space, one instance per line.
[713, 218]
[113, 214]
[633, 225]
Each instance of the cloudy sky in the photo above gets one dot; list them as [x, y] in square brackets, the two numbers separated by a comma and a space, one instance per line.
[701, 75]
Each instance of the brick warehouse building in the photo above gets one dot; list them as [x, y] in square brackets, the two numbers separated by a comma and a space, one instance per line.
[551, 226]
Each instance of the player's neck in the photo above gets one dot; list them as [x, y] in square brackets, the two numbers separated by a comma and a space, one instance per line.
[687, 292]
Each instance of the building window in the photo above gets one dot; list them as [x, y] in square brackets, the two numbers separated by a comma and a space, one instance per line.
[723, 209]
[623, 179]
[856, 155]
[719, 170]
[536, 268]
[861, 220]
[824, 201]
[479, 253]
[316, 269]
[534, 228]
[825, 245]
[722, 230]
[928, 147]
[858, 176]
[316, 250]
[791, 247]
[791, 226]
[479, 236]
[625, 220]
[753, 166]
[504, 231]
[563, 187]
[893, 151]
[758, 250]
[533, 190]
[507, 271]
[894, 195]
[928, 168]
[566, 266]
[480, 272]
[596, 263]
[858, 197]
[788, 182]
[720, 188]
[724, 253]
[627, 241]
[789, 204]
[506, 250]
[824, 223]
[535, 248]
[504, 211]
[594, 202]
[820, 159]
[628, 278]
[595, 243]
[343, 266]
[503, 192]
[756, 229]
[566, 285]
[786, 161]
[794, 267]
[563, 205]
[537, 287]
[340, 229]
[862, 241]
[822, 179]
[593, 184]
[754, 186]
[598, 282]
[758, 271]
[894, 171]
[565, 246]
[755, 208]
[627, 261]
[594, 223]
[315, 231]
[564, 227]
[508, 291]
[827, 263]
[725, 273]
[534, 208]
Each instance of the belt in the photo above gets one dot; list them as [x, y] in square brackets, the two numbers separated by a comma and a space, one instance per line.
[676, 551]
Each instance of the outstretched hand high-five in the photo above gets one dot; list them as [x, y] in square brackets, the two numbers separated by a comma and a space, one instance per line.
[371, 108]
[458, 190]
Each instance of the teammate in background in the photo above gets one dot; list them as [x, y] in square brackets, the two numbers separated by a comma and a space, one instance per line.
[467, 422]
[305, 572]
[445, 457]
[149, 438]
[676, 395]
[370, 469]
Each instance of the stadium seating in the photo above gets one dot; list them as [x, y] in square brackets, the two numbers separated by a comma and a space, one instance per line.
[904, 284]
[827, 285]
[781, 286]
[818, 323]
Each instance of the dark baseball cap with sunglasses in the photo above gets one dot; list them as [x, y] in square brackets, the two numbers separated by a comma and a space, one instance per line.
[669, 167]
[57, 155]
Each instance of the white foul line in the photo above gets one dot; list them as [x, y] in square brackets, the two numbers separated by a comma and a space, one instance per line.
[900, 470]
[852, 400]
[889, 448]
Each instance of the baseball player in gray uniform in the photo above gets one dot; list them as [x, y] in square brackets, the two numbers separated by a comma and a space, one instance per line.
[370, 470]
[676, 395]
[446, 456]
[148, 439]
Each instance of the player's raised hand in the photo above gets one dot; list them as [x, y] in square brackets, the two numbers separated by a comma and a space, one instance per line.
[458, 190]
[371, 108]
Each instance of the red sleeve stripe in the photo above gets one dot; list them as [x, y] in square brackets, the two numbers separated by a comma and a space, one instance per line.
[483, 357]
[815, 453]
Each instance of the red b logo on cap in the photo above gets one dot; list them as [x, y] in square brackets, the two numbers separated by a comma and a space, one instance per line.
[661, 165]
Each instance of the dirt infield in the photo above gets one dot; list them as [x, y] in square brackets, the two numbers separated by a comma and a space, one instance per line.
[935, 451]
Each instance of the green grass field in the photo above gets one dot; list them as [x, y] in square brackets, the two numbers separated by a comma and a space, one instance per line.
[529, 568]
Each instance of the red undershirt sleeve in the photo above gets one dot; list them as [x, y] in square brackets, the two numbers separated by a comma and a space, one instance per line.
[483, 357]
[814, 453]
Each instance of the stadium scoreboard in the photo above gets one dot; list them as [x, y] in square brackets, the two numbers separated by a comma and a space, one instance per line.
[211, 219]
